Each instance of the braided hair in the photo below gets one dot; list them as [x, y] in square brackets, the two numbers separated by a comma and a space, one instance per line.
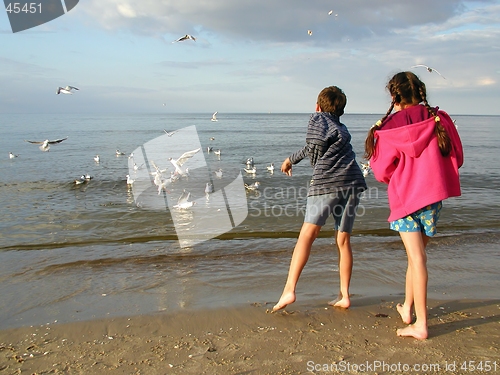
[407, 89]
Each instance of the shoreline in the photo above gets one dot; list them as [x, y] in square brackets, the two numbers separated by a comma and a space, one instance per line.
[306, 337]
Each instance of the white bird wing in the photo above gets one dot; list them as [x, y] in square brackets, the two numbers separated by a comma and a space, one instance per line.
[184, 197]
[69, 88]
[35, 142]
[186, 156]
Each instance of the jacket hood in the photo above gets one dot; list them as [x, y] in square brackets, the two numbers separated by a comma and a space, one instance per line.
[409, 139]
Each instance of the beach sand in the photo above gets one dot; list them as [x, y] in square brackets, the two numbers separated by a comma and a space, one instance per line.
[304, 338]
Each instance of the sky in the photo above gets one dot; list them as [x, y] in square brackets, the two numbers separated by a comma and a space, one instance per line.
[251, 56]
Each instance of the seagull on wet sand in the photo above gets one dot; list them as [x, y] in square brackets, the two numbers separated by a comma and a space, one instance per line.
[183, 159]
[184, 202]
[45, 144]
[429, 69]
[66, 90]
[185, 37]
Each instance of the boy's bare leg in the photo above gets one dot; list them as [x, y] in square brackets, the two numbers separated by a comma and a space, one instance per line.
[308, 234]
[417, 260]
[343, 241]
[405, 309]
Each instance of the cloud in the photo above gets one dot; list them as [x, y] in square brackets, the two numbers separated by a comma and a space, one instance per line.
[274, 21]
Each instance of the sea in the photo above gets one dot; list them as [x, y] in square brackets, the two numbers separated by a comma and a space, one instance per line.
[73, 252]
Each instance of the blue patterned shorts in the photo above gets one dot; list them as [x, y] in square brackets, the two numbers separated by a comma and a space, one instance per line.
[423, 220]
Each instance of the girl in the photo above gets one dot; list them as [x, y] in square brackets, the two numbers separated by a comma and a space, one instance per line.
[416, 151]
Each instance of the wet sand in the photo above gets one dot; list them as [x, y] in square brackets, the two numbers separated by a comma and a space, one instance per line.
[308, 337]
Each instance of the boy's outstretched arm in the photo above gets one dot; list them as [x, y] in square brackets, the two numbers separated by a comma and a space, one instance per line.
[286, 167]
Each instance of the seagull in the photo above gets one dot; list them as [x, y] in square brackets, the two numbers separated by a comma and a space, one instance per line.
[183, 202]
[253, 187]
[45, 144]
[137, 167]
[179, 162]
[252, 170]
[214, 116]
[309, 32]
[12, 156]
[250, 163]
[209, 149]
[212, 138]
[119, 153]
[130, 181]
[162, 184]
[88, 177]
[218, 173]
[365, 167]
[209, 189]
[97, 159]
[80, 180]
[170, 133]
[429, 69]
[270, 168]
[66, 90]
[217, 152]
[185, 37]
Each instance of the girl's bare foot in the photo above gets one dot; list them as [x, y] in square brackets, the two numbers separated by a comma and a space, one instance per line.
[343, 302]
[405, 313]
[285, 300]
[413, 331]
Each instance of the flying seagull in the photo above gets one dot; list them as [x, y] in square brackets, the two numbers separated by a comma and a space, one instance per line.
[429, 69]
[184, 158]
[309, 32]
[45, 144]
[170, 133]
[214, 116]
[185, 37]
[66, 90]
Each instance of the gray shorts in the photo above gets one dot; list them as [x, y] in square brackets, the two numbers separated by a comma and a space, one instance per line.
[341, 205]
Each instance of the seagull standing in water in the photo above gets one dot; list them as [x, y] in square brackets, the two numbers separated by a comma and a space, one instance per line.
[183, 159]
[45, 144]
[209, 189]
[429, 69]
[66, 90]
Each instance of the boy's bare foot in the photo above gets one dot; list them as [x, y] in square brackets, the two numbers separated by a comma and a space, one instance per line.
[285, 300]
[413, 331]
[343, 302]
[405, 313]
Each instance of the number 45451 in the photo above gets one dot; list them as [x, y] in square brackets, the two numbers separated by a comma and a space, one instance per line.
[26, 8]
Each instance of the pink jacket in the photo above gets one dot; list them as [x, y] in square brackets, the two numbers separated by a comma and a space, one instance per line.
[408, 159]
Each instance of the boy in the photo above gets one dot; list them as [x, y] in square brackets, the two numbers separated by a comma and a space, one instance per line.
[336, 185]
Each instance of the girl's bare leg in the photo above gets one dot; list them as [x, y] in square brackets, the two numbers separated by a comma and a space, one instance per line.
[406, 309]
[415, 243]
[343, 241]
[300, 255]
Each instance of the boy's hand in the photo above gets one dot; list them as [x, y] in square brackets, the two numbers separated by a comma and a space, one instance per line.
[286, 167]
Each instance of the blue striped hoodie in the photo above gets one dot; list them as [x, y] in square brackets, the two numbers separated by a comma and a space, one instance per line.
[328, 146]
